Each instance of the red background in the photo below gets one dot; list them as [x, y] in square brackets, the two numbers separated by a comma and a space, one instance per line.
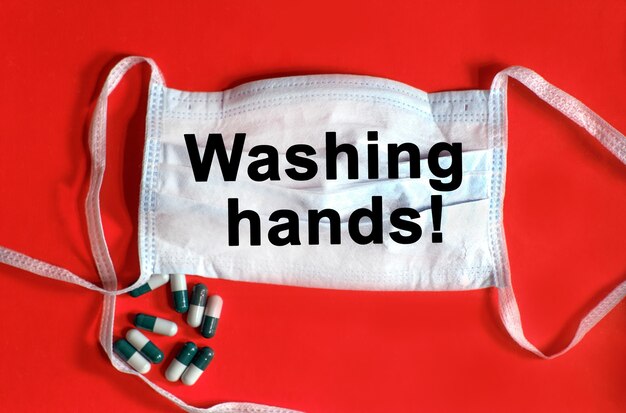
[315, 350]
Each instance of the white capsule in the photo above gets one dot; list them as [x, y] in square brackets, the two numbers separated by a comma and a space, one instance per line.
[182, 360]
[146, 347]
[191, 375]
[139, 363]
[212, 314]
[175, 370]
[137, 339]
[131, 355]
[155, 281]
[180, 297]
[198, 365]
[178, 282]
[194, 316]
[196, 305]
[155, 324]
[165, 327]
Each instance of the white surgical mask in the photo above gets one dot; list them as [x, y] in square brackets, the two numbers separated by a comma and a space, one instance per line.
[184, 224]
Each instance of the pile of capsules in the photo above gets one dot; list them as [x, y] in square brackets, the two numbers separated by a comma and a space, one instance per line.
[204, 311]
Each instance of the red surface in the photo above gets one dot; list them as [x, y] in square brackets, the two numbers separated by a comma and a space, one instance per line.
[315, 350]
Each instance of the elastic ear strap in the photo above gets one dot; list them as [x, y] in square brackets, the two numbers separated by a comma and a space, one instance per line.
[509, 312]
[30, 264]
[571, 107]
[100, 251]
[106, 271]
[97, 146]
[97, 142]
[606, 134]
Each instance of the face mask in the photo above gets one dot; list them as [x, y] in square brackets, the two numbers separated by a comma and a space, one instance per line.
[287, 162]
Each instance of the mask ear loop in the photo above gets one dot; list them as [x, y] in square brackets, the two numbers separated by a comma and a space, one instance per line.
[100, 250]
[97, 146]
[106, 271]
[608, 136]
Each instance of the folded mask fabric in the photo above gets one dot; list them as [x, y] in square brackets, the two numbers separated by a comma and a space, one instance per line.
[183, 223]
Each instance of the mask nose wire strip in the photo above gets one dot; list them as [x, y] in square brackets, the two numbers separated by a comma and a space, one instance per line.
[608, 136]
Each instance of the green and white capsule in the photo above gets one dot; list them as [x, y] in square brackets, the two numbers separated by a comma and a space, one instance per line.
[155, 281]
[179, 364]
[197, 366]
[130, 355]
[198, 302]
[145, 346]
[156, 325]
[178, 282]
[211, 315]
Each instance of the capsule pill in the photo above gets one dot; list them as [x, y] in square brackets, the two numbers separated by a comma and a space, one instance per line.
[156, 324]
[155, 281]
[144, 345]
[197, 366]
[179, 364]
[178, 283]
[197, 305]
[211, 315]
[131, 355]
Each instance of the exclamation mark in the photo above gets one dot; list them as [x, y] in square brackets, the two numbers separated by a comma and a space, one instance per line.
[435, 202]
